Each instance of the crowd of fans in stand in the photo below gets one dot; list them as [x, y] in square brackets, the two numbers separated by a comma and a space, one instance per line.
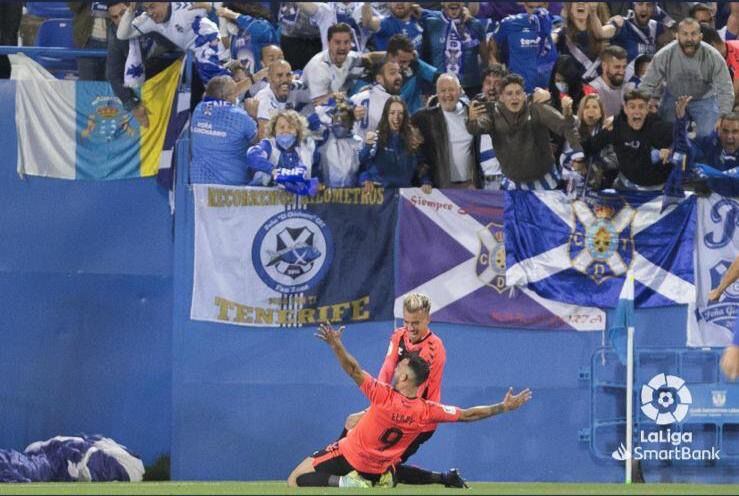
[479, 95]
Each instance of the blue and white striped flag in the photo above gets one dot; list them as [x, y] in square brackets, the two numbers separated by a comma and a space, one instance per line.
[623, 319]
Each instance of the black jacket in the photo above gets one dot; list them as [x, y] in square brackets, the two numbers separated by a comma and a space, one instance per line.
[634, 148]
[434, 152]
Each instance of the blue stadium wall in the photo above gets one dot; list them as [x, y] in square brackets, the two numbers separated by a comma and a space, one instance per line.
[95, 336]
[85, 306]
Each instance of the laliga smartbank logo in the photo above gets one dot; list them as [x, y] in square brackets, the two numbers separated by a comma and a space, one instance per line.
[665, 399]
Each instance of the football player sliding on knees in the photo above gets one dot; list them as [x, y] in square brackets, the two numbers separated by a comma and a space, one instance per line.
[415, 336]
[368, 453]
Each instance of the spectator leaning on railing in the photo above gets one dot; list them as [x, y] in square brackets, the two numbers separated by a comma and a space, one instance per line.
[221, 133]
[189, 29]
[162, 53]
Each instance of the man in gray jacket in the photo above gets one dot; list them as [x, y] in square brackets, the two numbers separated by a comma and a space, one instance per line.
[692, 68]
[520, 133]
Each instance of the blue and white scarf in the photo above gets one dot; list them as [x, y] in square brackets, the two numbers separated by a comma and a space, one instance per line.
[454, 45]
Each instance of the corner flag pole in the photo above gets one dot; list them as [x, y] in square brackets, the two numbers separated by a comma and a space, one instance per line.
[629, 399]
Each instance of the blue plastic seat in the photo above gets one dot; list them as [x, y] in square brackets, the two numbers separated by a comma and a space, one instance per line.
[55, 33]
[57, 10]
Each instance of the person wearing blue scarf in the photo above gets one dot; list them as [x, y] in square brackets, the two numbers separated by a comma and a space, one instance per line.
[455, 44]
[388, 158]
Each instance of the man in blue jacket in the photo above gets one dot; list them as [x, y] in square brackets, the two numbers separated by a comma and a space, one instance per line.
[720, 149]
[221, 133]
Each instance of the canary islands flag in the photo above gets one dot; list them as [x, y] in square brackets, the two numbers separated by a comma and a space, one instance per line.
[80, 130]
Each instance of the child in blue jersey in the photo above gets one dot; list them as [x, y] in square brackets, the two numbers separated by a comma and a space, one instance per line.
[455, 43]
[221, 133]
[524, 43]
[286, 157]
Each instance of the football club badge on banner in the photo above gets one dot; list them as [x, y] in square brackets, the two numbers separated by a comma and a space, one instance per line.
[601, 245]
[292, 251]
[264, 257]
[491, 258]
[578, 252]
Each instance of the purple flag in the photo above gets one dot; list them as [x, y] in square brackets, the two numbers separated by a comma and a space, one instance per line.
[452, 248]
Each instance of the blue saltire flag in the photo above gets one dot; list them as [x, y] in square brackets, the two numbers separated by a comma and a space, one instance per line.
[579, 251]
[623, 319]
[451, 247]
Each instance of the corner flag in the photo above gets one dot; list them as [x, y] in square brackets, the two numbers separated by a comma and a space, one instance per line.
[623, 319]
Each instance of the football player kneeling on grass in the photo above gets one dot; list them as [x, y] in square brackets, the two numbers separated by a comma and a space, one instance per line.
[365, 457]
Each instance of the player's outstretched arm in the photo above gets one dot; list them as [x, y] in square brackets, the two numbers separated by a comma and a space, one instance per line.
[350, 364]
[510, 402]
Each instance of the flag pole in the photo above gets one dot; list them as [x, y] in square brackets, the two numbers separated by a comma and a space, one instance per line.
[629, 400]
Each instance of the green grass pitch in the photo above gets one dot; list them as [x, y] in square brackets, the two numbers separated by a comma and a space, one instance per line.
[268, 487]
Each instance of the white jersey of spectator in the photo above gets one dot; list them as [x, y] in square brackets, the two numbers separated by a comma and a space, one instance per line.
[323, 77]
[269, 105]
[330, 13]
[373, 100]
[189, 29]
[179, 27]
